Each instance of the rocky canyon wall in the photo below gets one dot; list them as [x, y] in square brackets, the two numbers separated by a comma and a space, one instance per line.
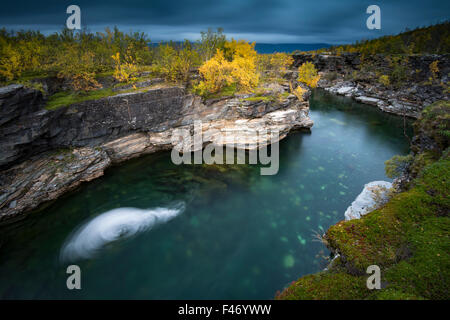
[409, 83]
[45, 153]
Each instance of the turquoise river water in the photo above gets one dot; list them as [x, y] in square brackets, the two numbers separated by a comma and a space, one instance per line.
[240, 236]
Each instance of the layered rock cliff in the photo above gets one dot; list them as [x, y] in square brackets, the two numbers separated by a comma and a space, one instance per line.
[46, 153]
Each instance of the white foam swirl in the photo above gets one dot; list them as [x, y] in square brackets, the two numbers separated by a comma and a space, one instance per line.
[113, 225]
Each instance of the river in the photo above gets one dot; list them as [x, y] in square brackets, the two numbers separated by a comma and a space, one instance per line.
[231, 234]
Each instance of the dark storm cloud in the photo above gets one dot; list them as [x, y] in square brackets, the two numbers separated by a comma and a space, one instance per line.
[260, 20]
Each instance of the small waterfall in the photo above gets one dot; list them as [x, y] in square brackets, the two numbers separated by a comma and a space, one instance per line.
[113, 225]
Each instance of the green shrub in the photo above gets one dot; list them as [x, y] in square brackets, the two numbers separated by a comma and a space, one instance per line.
[407, 239]
[173, 63]
[399, 70]
[209, 43]
[435, 123]
[397, 165]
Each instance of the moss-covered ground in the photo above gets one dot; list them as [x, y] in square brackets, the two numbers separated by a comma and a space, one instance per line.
[408, 238]
[66, 98]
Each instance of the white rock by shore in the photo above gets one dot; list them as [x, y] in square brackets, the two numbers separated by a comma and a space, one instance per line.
[374, 195]
[385, 101]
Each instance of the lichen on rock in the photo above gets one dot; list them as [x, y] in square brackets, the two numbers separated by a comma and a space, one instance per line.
[374, 195]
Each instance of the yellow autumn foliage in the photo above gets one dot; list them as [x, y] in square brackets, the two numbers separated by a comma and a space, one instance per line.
[434, 70]
[77, 68]
[308, 75]
[384, 80]
[175, 64]
[280, 62]
[125, 70]
[10, 63]
[216, 73]
[274, 66]
[298, 92]
[235, 65]
[17, 58]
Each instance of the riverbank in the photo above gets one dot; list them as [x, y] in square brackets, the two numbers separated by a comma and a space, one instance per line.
[233, 217]
[389, 236]
[398, 84]
[407, 238]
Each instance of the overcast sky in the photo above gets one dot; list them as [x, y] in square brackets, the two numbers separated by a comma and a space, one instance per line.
[268, 21]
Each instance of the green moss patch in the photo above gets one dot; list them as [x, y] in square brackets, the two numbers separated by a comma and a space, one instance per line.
[260, 98]
[227, 91]
[66, 98]
[409, 239]
[326, 286]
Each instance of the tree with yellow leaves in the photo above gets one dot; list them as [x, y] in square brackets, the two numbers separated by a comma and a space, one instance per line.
[235, 65]
[434, 70]
[216, 73]
[10, 63]
[174, 63]
[308, 75]
[126, 70]
[273, 66]
[280, 62]
[17, 57]
[243, 64]
[298, 92]
[77, 67]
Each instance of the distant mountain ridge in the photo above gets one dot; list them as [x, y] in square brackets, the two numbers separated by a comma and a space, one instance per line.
[288, 47]
[272, 47]
[433, 39]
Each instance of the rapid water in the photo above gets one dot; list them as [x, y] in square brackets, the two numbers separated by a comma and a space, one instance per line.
[149, 229]
[112, 226]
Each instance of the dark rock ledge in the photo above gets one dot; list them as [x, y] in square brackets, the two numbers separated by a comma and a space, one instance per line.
[349, 76]
[44, 154]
